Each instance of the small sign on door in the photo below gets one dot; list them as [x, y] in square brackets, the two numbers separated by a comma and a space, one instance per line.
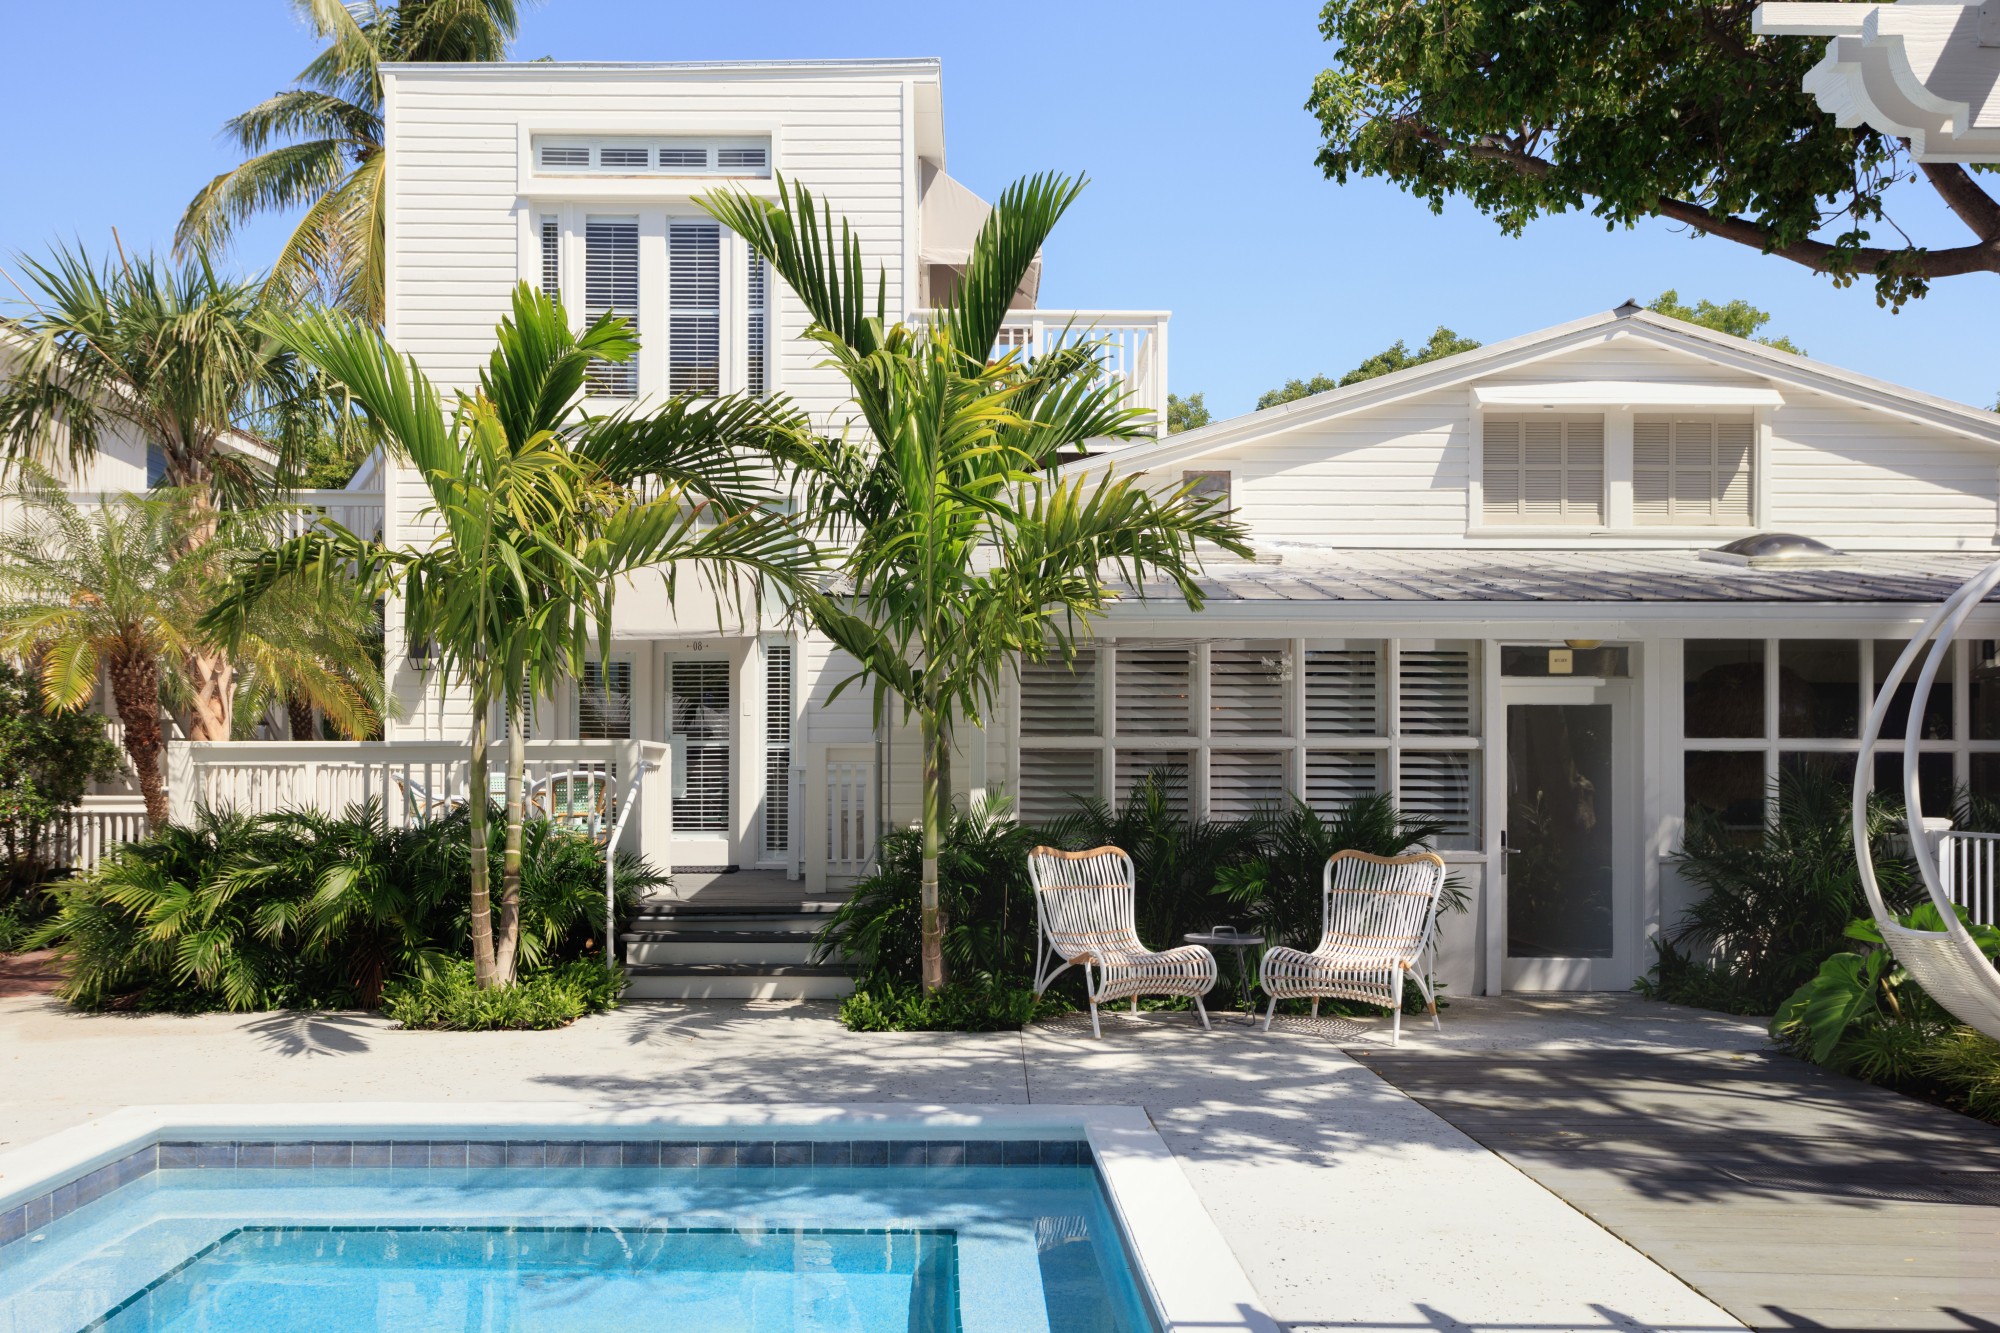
[1562, 661]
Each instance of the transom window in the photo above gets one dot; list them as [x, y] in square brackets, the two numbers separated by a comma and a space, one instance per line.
[654, 156]
[1236, 726]
[1542, 469]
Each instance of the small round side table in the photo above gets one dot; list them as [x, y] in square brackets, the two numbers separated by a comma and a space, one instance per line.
[1223, 937]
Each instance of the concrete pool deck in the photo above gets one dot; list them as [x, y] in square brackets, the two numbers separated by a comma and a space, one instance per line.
[1348, 1204]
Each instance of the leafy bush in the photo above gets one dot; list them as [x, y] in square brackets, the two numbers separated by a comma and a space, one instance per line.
[885, 1006]
[302, 909]
[47, 763]
[1772, 908]
[449, 999]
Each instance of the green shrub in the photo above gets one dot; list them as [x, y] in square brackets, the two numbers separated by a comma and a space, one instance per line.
[301, 909]
[449, 999]
[885, 1006]
[47, 763]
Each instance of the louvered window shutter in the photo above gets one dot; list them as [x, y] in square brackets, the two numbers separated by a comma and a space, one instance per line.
[564, 156]
[778, 749]
[1172, 767]
[757, 327]
[1155, 690]
[551, 236]
[1441, 785]
[699, 707]
[1337, 778]
[1343, 691]
[1692, 472]
[611, 287]
[1434, 689]
[742, 159]
[1053, 782]
[694, 309]
[1543, 470]
[1060, 698]
[1242, 782]
[604, 702]
[1246, 690]
[696, 158]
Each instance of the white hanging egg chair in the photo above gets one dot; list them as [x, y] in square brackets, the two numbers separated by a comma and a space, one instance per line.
[1948, 964]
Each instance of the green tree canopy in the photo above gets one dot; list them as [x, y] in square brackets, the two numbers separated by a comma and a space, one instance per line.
[1189, 413]
[1738, 317]
[1632, 109]
[1396, 356]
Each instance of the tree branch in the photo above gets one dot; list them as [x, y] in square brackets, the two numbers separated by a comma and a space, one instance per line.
[1974, 207]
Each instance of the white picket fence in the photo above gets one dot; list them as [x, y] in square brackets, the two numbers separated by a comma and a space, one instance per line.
[82, 840]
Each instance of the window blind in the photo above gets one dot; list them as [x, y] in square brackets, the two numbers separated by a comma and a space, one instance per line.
[1242, 782]
[604, 702]
[611, 287]
[694, 309]
[757, 328]
[1155, 690]
[1246, 690]
[1441, 785]
[1343, 691]
[1172, 766]
[777, 749]
[1060, 698]
[1434, 691]
[1054, 781]
[551, 235]
[699, 708]
[1334, 779]
[1692, 471]
[1544, 470]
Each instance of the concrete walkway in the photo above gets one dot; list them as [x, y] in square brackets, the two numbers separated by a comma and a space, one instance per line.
[1350, 1205]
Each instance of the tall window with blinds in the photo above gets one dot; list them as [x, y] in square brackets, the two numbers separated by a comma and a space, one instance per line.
[757, 326]
[611, 287]
[604, 701]
[777, 749]
[694, 309]
[1543, 470]
[698, 706]
[1692, 471]
[550, 234]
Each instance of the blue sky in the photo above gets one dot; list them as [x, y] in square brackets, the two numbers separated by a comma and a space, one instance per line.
[1187, 116]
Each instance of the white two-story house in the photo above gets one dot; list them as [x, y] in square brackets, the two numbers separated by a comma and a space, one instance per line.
[1532, 591]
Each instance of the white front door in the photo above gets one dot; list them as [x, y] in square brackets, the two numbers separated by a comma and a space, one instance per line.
[1570, 865]
[700, 714]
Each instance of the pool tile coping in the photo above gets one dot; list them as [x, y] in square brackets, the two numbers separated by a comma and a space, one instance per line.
[1182, 1261]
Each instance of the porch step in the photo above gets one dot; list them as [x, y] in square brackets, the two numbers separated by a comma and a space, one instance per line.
[726, 981]
[651, 921]
[760, 947]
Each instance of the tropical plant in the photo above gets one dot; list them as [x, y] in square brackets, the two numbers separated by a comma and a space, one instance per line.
[1672, 109]
[115, 591]
[1771, 909]
[1281, 888]
[964, 548]
[317, 146]
[47, 762]
[301, 909]
[538, 510]
[174, 356]
[451, 998]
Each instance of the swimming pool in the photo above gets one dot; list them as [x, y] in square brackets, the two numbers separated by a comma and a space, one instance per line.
[840, 1224]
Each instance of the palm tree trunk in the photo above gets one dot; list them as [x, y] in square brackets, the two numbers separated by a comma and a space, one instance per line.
[482, 899]
[299, 713]
[509, 933]
[135, 689]
[936, 741]
[212, 712]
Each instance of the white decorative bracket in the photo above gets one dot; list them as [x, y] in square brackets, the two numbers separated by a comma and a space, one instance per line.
[1923, 70]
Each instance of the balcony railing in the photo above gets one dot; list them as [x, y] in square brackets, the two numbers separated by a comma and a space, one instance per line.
[1133, 347]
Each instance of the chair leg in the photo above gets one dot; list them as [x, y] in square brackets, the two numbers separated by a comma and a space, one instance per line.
[1396, 1024]
[1315, 1006]
[1135, 1006]
[1202, 1009]
[1095, 1030]
[1270, 1012]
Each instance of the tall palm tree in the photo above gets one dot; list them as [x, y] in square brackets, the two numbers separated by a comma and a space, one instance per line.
[539, 511]
[173, 355]
[318, 144]
[965, 549]
[115, 590]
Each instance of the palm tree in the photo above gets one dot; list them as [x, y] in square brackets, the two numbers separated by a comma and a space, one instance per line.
[114, 590]
[318, 144]
[173, 355]
[539, 511]
[965, 549]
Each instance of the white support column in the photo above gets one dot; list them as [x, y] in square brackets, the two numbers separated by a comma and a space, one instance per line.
[1618, 467]
[1493, 799]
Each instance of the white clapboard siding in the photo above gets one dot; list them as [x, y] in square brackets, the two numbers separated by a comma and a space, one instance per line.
[1055, 782]
[1060, 698]
[1434, 695]
[1155, 689]
[1246, 689]
[1242, 782]
[1343, 691]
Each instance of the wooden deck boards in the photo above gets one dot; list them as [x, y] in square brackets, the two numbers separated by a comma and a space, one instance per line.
[1792, 1197]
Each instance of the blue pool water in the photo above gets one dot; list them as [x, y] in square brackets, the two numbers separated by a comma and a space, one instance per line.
[955, 1249]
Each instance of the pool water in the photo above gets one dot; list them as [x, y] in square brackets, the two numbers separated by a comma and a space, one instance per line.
[912, 1249]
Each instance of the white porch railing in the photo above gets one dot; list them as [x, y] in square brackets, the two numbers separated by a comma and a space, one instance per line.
[841, 813]
[1135, 347]
[81, 841]
[1970, 864]
[360, 512]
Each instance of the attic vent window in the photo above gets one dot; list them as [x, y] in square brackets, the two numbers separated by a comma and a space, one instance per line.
[1781, 550]
[626, 156]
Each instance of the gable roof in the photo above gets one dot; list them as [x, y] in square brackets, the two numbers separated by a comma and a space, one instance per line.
[1721, 349]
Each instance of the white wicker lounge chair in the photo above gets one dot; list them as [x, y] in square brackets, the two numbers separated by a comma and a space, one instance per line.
[1085, 911]
[579, 801]
[1380, 915]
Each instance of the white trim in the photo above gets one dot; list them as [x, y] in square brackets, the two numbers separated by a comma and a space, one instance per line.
[1179, 1257]
[1559, 394]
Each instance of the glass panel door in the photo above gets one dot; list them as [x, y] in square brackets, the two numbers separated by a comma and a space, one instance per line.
[698, 704]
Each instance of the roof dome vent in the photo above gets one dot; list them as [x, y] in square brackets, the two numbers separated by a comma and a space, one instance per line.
[1786, 550]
